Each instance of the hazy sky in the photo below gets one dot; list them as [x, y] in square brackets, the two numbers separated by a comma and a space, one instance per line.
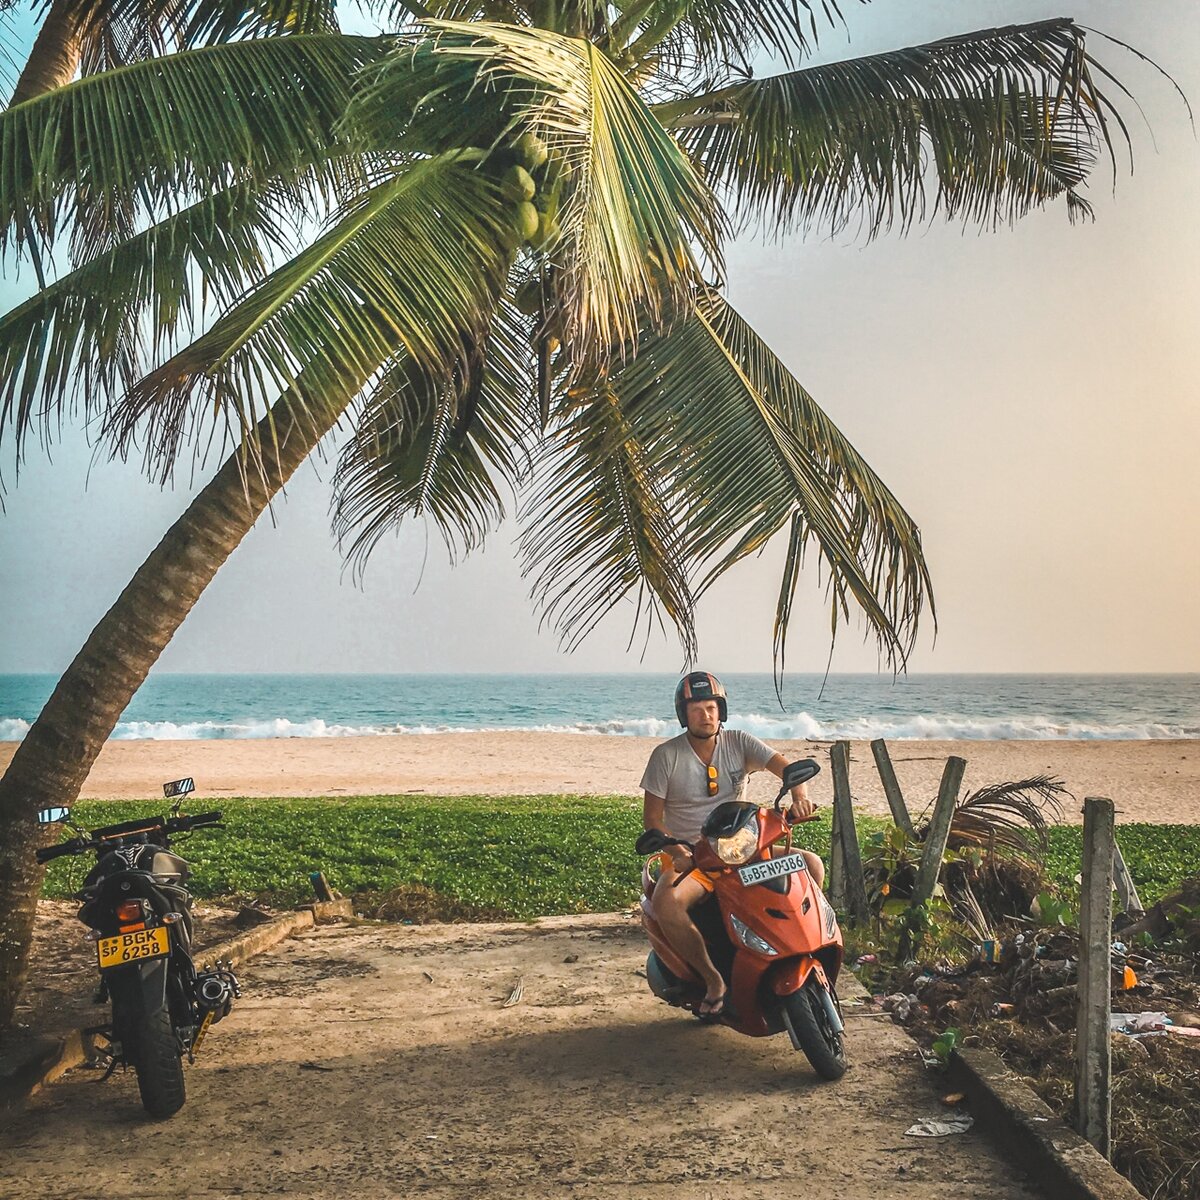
[1030, 395]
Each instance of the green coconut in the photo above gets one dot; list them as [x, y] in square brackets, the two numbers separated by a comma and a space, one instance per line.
[528, 297]
[525, 220]
[531, 150]
[548, 232]
[518, 184]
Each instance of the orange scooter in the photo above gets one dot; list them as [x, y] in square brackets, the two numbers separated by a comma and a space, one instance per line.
[768, 927]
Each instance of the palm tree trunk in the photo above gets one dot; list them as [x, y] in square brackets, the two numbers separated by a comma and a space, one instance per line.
[54, 59]
[52, 763]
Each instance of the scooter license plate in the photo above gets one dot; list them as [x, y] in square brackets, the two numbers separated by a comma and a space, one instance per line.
[130, 947]
[773, 868]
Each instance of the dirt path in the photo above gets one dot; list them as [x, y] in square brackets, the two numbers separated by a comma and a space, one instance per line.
[379, 1061]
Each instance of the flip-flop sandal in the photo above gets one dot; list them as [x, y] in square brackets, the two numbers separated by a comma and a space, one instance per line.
[711, 1011]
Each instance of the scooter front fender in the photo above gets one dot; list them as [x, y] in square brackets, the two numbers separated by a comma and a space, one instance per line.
[790, 976]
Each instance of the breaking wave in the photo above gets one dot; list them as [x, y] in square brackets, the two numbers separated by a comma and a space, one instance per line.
[785, 727]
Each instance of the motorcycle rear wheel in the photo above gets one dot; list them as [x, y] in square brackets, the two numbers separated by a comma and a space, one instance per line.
[823, 1046]
[157, 1062]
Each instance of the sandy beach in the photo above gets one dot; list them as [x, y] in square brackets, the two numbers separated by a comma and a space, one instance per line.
[1153, 780]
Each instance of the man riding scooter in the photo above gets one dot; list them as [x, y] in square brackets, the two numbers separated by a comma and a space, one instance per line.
[685, 779]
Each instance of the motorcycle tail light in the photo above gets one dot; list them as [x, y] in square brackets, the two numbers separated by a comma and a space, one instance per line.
[130, 910]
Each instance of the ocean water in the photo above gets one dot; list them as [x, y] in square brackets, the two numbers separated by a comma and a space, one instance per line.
[840, 706]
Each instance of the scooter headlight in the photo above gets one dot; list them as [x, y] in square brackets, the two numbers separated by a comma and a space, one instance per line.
[739, 847]
[750, 939]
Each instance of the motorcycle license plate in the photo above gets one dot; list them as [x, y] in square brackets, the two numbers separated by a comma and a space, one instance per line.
[773, 868]
[130, 947]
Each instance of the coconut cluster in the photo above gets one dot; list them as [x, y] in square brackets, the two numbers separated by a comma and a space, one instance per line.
[532, 180]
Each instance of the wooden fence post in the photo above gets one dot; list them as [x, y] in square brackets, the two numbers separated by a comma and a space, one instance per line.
[939, 830]
[854, 887]
[1093, 1048]
[891, 787]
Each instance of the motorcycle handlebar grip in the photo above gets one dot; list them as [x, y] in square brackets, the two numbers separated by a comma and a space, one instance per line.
[46, 853]
[208, 818]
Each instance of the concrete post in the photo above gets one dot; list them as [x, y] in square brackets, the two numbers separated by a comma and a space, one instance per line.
[1127, 893]
[1093, 1050]
[891, 787]
[854, 887]
[939, 830]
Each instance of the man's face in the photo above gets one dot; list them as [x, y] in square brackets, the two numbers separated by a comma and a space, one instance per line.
[703, 717]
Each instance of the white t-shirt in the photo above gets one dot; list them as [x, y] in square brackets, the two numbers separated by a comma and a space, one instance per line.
[675, 773]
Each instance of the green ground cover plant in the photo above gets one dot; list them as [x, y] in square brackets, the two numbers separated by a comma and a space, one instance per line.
[525, 856]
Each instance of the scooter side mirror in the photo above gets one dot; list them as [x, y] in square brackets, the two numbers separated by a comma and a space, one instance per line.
[53, 816]
[799, 772]
[654, 840]
[651, 842]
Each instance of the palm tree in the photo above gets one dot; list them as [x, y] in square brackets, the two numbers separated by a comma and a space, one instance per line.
[514, 287]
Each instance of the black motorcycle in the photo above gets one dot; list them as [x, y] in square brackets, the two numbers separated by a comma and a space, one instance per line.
[138, 909]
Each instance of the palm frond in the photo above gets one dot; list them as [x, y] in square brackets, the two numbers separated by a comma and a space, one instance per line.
[1002, 120]
[1013, 816]
[631, 206]
[117, 33]
[600, 528]
[91, 333]
[177, 128]
[748, 452]
[437, 447]
[409, 266]
[707, 34]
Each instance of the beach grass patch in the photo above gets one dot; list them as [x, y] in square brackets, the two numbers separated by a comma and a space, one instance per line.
[523, 856]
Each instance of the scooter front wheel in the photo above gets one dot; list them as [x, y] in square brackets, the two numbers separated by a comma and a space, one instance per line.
[822, 1044]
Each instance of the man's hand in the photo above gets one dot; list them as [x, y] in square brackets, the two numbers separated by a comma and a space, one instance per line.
[681, 859]
[802, 806]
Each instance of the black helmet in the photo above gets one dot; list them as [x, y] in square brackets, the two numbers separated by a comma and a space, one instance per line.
[700, 685]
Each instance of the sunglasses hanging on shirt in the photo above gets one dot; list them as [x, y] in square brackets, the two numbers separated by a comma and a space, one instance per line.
[712, 781]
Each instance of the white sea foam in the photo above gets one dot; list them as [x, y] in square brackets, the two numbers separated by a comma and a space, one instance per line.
[784, 727]
[798, 726]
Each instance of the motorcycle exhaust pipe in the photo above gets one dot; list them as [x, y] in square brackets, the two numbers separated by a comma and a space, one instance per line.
[213, 992]
[216, 990]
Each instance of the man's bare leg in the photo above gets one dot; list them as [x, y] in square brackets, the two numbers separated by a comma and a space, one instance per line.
[816, 868]
[670, 907]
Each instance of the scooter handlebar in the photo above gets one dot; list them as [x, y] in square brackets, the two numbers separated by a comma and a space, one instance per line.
[74, 846]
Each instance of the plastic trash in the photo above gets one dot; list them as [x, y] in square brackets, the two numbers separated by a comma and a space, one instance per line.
[941, 1125]
[1138, 1023]
[990, 951]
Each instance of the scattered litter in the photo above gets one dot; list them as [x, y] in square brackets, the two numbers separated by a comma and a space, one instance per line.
[431, 1137]
[901, 1006]
[1184, 1031]
[941, 1126]
[514, 997]
[954, 1098]
[865, 960]
[990, 951]
[571, 958]
[312, 1066]
[427, 976]
[1135, 1023]
[1129, 979]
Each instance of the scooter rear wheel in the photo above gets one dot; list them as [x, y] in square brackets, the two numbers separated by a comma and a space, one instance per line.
[823, 1046]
